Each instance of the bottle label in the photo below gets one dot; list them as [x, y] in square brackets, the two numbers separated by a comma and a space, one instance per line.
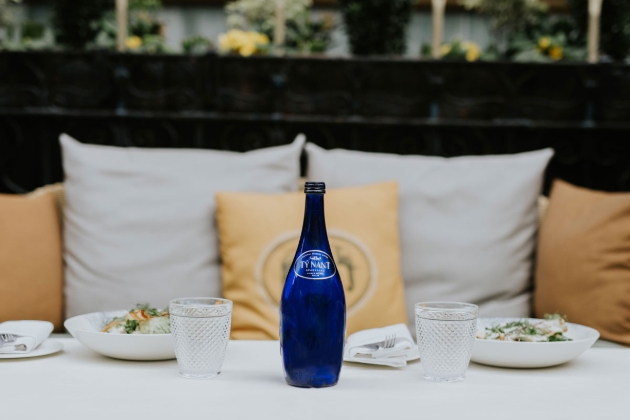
[315, 265]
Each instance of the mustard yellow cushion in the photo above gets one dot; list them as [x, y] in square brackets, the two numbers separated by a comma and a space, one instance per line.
[259, 234]
[583, 268]
[31, 264]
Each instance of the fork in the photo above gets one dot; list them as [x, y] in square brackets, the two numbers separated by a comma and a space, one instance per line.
[6, 338]
[389, 342]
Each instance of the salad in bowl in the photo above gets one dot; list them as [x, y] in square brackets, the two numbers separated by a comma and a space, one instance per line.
[140, 320]
[548, 330]
[530, 342]
[142, 333]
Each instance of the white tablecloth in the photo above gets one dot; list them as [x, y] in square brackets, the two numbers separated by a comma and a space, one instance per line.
[79, 384]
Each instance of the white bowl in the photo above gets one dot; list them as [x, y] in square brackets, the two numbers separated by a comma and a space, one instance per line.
[531, 355]
[87, 329]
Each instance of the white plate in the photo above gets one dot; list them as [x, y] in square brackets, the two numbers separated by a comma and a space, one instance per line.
[531, 355]
[44, 349]
[87, 329]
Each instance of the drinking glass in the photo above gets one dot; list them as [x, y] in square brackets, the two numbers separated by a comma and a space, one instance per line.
[446, 334]
[201, 331]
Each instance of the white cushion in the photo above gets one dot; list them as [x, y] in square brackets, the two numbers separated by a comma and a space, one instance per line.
[140, 223]
[468, 224]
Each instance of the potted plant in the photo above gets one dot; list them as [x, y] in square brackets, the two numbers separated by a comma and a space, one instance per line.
[551, 39]
[508, 17]
[146, 32]
[304, 33]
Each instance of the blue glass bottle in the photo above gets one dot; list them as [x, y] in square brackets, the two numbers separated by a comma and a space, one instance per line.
[313, 304]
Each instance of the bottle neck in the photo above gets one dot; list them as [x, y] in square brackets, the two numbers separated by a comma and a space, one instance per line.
[314, 203]
[314, 235]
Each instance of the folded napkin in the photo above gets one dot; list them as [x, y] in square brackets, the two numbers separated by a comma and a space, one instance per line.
[367, 347]
[29, 335]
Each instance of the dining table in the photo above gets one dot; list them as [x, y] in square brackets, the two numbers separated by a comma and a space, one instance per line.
[77, 383]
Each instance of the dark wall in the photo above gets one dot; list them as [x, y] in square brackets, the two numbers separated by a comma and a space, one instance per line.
[392, 106]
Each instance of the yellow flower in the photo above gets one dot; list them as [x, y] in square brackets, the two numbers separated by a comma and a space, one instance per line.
[555, 53]
[133, 42]
[241, 42]
[229, 40]
[247, 49]
[544, 43]
[238, 37]
[473, 55]
[224, 42]
[472, 50]
[260, 39]
[444, 50]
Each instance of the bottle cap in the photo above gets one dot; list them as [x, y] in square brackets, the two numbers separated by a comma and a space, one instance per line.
[315, 188]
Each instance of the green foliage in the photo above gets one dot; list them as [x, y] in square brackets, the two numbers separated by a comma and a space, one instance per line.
[526, 32]
[311, 35]
[33, 30]
[75, 22]
[197, 44]
[615, 26]
[549, 40]
[142, 23]
[456, 50]
[152, 44]
[260, 15]
[34, 36]
[303, 32]
[509, 16]
[145, 31]
[545, 46]
[145, 4]
[376, 26]
[7, 28]
[5, 15]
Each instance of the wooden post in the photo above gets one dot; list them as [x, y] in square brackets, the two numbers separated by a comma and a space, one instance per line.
[594, 17]
[279, 33]
[122, 23]
[438, 8]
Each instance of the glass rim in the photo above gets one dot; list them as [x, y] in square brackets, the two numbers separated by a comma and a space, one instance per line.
[446, 306]
[199, 302]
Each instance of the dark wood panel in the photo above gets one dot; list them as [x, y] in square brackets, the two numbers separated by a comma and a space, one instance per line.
[401, 106]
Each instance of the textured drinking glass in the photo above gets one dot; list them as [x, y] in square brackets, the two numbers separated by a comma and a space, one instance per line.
[201, 331]
[446, 334]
